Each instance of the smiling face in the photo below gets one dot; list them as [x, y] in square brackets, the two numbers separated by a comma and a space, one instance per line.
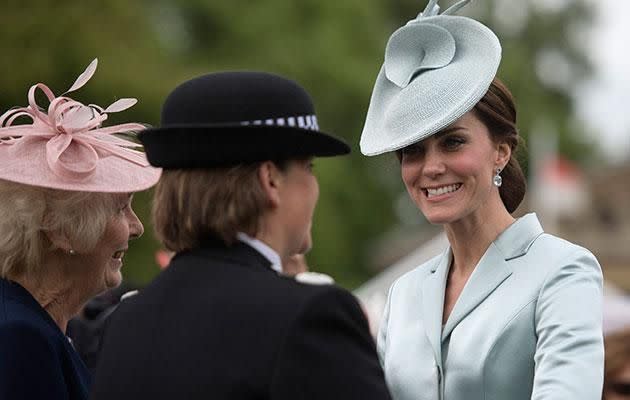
[449, 175]
[103, 263]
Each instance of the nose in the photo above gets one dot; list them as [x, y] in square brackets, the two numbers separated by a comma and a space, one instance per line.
[136, 229]
[433, 165]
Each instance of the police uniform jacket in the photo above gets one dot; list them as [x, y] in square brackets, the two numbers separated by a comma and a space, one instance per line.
[220, 324]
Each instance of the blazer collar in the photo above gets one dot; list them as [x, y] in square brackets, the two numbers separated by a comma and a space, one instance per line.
[16, 292]
[516, 240]
[238, 253]
[264, 249]
[490, 272]
[433, 289]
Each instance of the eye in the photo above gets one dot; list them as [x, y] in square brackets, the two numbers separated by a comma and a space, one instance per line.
[124, 206]
[415, 149]
[453, 142]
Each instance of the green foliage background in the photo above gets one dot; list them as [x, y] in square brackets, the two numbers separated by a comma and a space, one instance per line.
[333, 48]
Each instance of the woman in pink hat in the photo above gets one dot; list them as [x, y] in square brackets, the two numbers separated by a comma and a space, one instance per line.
[66, 185]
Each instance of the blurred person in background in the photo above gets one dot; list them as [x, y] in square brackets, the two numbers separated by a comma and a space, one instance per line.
[507, 311]
[86, 329]
[616, 343]
[617, 365]
[237, 197]
[66, 185]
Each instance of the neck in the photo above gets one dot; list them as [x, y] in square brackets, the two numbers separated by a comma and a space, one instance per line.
[269, 234]
[55, 292]
[470, 237]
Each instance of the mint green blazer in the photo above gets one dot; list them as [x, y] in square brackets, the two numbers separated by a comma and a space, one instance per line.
[527, 325]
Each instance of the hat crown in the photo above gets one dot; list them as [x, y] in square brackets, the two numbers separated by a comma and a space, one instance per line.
[228, 118]
[235, 98]
[66, 147]
[436, 68]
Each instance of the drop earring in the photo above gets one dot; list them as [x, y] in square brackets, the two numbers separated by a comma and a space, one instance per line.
[497, 180]
[72, 252]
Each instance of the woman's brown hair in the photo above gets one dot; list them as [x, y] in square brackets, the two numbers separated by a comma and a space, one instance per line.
[498, 112]
[192, 204]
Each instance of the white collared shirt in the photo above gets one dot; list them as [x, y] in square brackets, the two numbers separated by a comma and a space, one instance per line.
[264, 249]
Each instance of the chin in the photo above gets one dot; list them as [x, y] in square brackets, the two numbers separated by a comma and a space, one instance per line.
[440, 218]
[113, 281]
[306, 245]
[306, 248]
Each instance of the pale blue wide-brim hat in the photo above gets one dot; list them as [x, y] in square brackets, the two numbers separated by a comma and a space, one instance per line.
[437, 67]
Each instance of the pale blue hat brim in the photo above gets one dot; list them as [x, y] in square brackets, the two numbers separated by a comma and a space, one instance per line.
[437, 97]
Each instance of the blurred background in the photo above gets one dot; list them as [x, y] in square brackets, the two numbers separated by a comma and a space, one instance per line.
[566, 62]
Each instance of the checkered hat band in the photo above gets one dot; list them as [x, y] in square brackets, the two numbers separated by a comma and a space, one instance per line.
[301, 121]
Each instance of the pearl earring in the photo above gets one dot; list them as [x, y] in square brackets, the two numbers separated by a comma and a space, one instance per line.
[72, 252]
[497, 180]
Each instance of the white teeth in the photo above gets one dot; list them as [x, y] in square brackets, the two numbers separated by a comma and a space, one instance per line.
[442, 190]
[118, 255]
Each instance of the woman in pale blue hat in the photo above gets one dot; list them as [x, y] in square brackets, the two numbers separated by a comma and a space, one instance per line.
[507, 311]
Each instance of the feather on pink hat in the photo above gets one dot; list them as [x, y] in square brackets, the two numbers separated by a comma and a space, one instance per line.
[67, 148]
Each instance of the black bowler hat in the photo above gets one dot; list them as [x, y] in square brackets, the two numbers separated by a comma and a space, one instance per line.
[237, 117]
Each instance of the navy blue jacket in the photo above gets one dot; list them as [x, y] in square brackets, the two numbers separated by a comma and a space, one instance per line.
[36, 359]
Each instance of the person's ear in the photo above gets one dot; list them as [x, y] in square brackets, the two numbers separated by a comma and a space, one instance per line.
[270, 178]
[504, 152]
[59, 241]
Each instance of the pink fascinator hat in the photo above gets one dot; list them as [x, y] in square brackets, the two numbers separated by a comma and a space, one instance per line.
[66, 147]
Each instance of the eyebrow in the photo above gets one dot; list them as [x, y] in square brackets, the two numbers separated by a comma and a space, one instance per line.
[448, 130]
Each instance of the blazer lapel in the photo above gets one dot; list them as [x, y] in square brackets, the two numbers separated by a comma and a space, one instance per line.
[491, 271]
[494, 267]
[433, 289]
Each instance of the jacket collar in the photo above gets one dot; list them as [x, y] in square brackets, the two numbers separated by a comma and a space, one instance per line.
[490, 272]
[433, 290]
[516, 240]
[264, 249]
[239, 253]
[14, 291]
[513, 242]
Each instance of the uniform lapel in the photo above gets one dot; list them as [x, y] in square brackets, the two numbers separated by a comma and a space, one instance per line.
[433, 289]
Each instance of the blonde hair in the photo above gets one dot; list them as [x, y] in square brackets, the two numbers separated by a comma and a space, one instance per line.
[192, 204]
[28, 212]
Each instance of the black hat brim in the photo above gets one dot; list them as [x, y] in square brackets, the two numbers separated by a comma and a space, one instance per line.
[175, 147]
